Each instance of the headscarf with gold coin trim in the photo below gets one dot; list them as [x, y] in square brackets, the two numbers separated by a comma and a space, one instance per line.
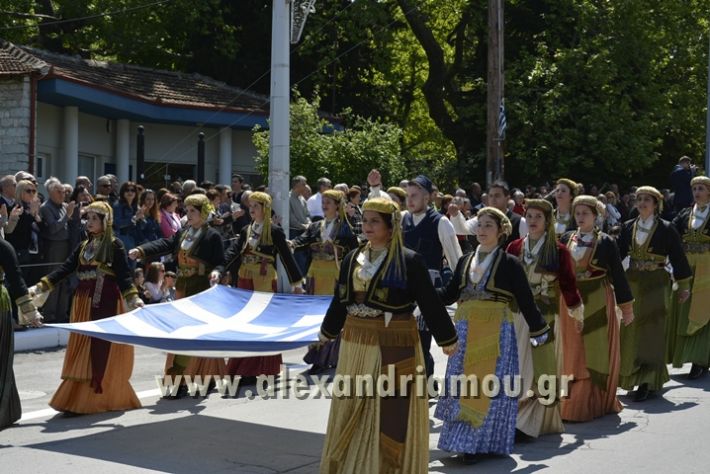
[104, 249]
[265, 200]
[395, 270]
[549, 259]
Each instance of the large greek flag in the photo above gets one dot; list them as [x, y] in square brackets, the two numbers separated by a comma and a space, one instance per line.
[221, 321]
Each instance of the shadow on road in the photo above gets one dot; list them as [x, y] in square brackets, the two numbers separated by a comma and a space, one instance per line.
[198, 444]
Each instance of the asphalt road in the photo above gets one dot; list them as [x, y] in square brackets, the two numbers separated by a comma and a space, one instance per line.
[234, 434]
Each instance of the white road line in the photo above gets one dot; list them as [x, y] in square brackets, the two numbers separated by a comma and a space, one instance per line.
[33, 415]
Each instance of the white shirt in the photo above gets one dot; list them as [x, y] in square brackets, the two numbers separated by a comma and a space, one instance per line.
[378, 192]
[315, 205]
[697, 217]
[447, 237]
[643, 229]
[468, 227]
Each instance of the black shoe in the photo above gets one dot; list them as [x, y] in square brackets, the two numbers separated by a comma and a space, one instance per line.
[642, 393]
[697, 371]
[521, 437]
[468, 458]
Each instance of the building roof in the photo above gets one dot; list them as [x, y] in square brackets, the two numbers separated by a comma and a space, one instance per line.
[160, 87]
[16, 62]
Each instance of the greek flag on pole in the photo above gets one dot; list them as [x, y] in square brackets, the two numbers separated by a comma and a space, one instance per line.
[221, 321]
[502, 122]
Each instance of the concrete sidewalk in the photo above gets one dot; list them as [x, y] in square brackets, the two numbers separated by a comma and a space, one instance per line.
[36, 339]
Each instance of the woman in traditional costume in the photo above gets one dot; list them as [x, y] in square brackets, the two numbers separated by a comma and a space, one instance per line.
[485, 284]
[592, 356]
[378, 288]
[12, 285]
[197, 249]
[565, 192]
[550, 273]
[328, 241]
[96, 372]
[650, 242]
[692, 316]
[254, 255]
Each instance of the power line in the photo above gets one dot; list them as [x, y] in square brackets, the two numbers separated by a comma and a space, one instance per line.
[84, 18]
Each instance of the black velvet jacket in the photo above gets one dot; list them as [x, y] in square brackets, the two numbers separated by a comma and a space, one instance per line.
[233, 255]
[682, 222]
[664, 242]
[419, 291]
[606, 260]
[208, 248]
[344, 237]
[118, 266]
[506, 282]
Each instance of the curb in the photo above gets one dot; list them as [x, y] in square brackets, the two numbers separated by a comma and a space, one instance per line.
[33, 339]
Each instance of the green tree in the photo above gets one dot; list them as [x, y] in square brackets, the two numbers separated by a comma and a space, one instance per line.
[344, 150]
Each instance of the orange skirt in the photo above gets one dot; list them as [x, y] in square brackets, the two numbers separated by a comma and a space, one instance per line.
[75, 393]
[587, 400]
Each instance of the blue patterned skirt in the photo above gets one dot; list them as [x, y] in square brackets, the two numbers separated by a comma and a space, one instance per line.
[497, 433]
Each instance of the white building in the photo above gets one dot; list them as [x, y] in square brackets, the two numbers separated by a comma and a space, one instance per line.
[65, 116]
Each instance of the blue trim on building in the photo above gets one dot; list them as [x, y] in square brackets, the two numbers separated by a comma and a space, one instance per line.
[112, 106]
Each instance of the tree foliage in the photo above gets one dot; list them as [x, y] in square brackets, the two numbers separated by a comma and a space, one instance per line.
[344, 151]
[595, 90]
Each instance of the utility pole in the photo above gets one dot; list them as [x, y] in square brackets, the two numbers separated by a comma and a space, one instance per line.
[707, 121]
[494, 142]
[279, 164]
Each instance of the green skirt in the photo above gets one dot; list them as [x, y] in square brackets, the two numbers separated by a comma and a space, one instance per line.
[688, 347]
[643, 342]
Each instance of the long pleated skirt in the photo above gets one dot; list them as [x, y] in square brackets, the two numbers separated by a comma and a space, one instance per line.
[481, 425]
[643, 342]
[379, 433]
[592, 356]
[76, 393]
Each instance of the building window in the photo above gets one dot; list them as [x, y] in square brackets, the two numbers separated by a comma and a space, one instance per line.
[87, 166]
[41, 163]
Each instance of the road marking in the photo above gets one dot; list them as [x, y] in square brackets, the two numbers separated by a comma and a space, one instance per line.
[33, 415]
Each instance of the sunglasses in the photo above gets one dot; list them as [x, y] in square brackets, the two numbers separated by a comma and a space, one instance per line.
[131, 190]
[31, 191]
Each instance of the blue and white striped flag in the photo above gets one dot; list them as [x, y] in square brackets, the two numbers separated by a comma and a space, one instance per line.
[221, 321]
[502, 122]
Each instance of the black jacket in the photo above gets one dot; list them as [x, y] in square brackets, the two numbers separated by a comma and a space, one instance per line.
[664, 242]
[606, 260]
[344, 237]
[507, 282]
[119, 266]
[682, 222]
[208, 249]
[233, 255]
[419, 292]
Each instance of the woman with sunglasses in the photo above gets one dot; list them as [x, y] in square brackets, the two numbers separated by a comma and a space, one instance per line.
[22, 230]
